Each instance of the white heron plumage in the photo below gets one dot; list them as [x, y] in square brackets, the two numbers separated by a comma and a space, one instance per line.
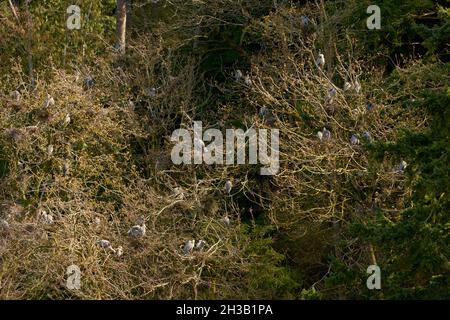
[354, 139]
[304, 20]
[67, 119]
[50, 149]
[319, 135]
[151, 92]
[320, 61]
[326, 134]
[402, 166]
[105, 244]
[200, 245]
[46, 218]
[347, 86]
[228, 186]
[226, 221]
[188, 246]
[263, 111]
[247, 80]
[137, 231]
[238, 75]
[49, 101]
[367, 136]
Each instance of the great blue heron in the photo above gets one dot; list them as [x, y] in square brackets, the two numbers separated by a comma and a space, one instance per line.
[402, 166]
[46, 218]
[88, 82]
[326, 134]
[304, 20]
[228, 186]
[238, 75]
[119, 251]
[49, 101]
[50, 149]
[188, 246]
[105, 244]
[320, 61]
[354, 139]
[263, 111]
[67, 119]
[138, 230]
[200, 245]
[226, 221]
[320, 135]
[247, 80]
[367, 136]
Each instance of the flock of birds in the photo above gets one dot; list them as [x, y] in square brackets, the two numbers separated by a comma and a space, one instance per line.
[325, 134]
[138, 231]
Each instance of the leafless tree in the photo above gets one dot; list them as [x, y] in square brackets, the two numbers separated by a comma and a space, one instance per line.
[121, 25]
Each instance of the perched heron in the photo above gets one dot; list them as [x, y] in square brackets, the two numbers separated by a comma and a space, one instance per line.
[226, 221]
[200, 245]
[357, 86]
[326, 134]
[402, 166]
[247, 81]
[319, 135]
[188, 246]
[49, 101]
[331, 94]
[151, 92]
[354, 139]
[67, 119]
[320, 61]
[177, 192]
[367, 136]
[105, 244]
[228, 186]
[119, 251]
[47, 218]
[50, 149]
[238, 75]
[304, 20]
[263, 111]
[88, 82]
[138, 231]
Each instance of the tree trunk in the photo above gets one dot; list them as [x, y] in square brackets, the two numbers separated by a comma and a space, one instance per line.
[121, 25]
[29, 45]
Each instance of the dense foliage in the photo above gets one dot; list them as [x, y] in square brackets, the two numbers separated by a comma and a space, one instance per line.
[308, 232]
